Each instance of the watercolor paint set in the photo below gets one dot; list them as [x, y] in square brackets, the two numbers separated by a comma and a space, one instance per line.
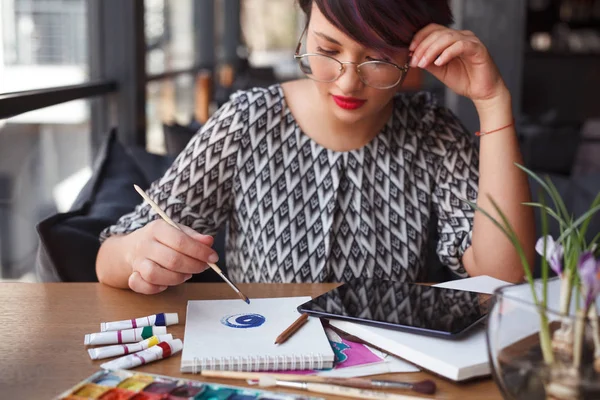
[128, 385]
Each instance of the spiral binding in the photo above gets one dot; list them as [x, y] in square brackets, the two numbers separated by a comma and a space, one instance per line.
[259, 363]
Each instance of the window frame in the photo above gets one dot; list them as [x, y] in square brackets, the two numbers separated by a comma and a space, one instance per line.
[117, 66]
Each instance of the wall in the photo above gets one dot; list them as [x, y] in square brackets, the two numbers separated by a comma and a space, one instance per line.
[500, 25]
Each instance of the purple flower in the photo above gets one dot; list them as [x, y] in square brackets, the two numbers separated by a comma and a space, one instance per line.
[554, 253]
[589, 271]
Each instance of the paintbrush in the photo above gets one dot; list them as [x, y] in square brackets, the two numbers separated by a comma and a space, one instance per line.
[344, 391]
[425, 387]
[173, 224]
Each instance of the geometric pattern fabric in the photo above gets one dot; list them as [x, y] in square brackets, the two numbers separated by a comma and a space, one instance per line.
[298, 212]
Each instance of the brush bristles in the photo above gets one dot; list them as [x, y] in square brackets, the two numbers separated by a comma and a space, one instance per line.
[425, 387]
[243, 297]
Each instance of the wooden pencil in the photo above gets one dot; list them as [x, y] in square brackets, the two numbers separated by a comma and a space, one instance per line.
[293, 328]
[173, 224]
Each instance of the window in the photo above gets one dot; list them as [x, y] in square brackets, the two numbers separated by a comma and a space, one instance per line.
[56, 106]
[169, 101]
[45, 158]
[170, 39]
[169, 35]
[45, 137]
[271, 29]
[43, 44]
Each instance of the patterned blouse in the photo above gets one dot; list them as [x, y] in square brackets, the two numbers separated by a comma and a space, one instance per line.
[296, 211]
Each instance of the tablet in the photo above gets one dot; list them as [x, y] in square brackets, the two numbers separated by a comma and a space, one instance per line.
[404, 306]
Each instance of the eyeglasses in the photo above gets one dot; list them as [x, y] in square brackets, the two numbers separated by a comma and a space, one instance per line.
[376, 74]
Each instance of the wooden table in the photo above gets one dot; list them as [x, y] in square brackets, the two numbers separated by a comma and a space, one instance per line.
[42, 328]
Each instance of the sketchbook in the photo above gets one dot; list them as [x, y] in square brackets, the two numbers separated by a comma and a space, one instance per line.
[232, 335]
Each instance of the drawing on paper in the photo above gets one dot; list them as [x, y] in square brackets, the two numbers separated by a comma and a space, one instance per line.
[243, 320]
[339, 351]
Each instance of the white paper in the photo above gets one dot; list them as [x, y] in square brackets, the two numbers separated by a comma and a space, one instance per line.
[479, 284]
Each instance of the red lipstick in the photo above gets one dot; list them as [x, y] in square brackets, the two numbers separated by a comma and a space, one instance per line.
[348, 103]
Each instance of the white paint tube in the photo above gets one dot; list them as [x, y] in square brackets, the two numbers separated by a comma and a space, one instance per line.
[124, 336]
[162, 319]
[157, 352]
[99, 353]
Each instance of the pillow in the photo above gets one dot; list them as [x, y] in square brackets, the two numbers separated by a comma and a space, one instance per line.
[69, 242]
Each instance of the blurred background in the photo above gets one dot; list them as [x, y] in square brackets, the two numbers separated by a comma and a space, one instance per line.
[70, 70]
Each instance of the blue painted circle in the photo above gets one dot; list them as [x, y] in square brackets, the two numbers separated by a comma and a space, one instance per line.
[243, 321]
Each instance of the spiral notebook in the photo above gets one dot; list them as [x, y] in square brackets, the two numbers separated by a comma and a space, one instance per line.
[232, 335]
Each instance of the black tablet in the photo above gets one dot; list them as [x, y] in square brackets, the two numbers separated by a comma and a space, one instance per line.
[404, 306]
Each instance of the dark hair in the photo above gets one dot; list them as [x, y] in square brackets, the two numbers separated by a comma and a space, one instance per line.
[383, 25]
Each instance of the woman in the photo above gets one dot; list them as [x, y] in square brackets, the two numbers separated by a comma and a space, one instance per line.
[337, 176]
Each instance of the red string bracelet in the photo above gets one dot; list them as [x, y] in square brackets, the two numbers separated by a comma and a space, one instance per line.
[478, 133]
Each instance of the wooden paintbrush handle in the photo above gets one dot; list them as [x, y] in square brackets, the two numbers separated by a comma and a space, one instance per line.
[258, 375]
[215, 268]
[356, 393]
[353, 382]
[173, 224]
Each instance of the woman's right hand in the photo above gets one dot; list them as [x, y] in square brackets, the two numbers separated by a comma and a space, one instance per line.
[161, 256]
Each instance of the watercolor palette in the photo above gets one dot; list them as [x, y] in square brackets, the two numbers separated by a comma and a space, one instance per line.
[128, 385]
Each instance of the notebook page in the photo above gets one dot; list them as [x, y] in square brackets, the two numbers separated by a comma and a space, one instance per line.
[231, 333]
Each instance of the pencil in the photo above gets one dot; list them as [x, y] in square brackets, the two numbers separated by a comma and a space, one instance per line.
[293, 328]
[173, 224]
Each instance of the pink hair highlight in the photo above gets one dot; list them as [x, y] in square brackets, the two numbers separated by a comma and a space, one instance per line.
[382, 25]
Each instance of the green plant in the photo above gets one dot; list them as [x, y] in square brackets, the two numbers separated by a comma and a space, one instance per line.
[571, 257]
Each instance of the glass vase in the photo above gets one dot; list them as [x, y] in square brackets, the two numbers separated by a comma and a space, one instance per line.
[516, 356]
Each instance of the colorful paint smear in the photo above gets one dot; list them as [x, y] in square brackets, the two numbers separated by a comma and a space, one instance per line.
[186, 391]
[136, 383]
[127, 385]
[117, 394]
[150, 396]
[215, 394]
[351, 354]
[241, 396]
[111, 379]
[160, 387]
[91, 390]
[347, 354]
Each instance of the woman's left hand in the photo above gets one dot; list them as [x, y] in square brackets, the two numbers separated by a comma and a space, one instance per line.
[459, 60]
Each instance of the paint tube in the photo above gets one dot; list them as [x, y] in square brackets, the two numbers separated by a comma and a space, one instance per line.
[162, 319]
[99, 353]
[158, 352]
[124, 336]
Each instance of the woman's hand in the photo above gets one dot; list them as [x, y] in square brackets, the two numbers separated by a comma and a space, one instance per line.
[161, 256]
[459, 60]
